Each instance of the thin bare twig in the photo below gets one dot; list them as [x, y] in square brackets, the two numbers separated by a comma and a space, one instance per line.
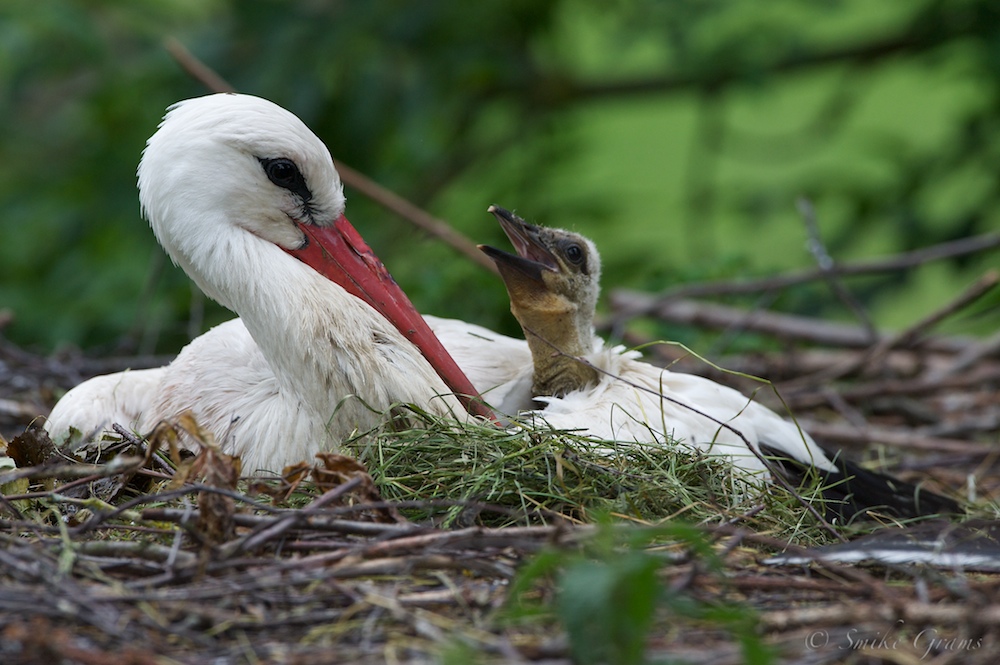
[874, 358]
[74, 470]
[903, 438]
[967, 359]
[782, 326]
[258, 537]
[828, 268]
[895, 263]
[197, 69]
[411, 212]
[907, 337]
[351, 177]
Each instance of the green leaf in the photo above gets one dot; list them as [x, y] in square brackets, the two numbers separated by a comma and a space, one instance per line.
[607, 607]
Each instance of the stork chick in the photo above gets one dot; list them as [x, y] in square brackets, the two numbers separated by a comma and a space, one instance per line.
[553, 282]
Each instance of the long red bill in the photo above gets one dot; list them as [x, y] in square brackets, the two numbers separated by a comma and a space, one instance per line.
[339, 253]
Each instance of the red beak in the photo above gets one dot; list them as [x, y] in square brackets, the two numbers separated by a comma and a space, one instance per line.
[339, 253]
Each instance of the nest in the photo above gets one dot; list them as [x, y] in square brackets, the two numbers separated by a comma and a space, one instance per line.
[458, 543]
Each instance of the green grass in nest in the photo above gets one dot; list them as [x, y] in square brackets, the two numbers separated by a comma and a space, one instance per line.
[536, 473]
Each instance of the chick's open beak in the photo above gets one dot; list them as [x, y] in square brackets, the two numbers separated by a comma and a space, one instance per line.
[525, 237]
[523, 273]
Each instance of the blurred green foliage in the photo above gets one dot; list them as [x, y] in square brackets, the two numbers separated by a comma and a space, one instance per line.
[611, 600]
[676, 134]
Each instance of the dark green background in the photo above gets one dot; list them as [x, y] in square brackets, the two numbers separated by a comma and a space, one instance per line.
[677, 134]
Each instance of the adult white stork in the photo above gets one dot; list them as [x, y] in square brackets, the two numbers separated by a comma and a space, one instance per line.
[246, 199]
[553, 282]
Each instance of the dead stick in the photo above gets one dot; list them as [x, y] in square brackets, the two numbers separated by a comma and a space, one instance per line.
[197, 69]
[367, 187]
[893, 263]
[135, 548]
[71, 471]
[548, 533]
[469, 594]
[907, 337]
[147, 450]
[406, 565]
[968, 358]
[776, 324]
[860, 614]
[257, 538]
[829, 268]
[846, 434]
[873, 585]
[415, 215]
[254, 521]
[814, 397]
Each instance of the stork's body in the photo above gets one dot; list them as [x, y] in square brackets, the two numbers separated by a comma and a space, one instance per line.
[232, 185]
[224, 380]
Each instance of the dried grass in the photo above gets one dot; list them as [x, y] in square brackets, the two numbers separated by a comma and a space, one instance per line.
[538, 475]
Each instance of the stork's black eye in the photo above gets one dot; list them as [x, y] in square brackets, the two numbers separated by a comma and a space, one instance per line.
[285, 174]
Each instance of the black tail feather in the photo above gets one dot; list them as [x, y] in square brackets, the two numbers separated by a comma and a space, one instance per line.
[852, 492]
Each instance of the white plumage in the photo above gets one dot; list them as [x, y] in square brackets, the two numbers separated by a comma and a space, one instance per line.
[497, 365]
[636, 401]
[307, 364]
[553, 282]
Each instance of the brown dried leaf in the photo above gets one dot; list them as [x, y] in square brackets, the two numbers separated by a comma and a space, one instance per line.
[31, 448]
[165, 436]
[295, 473]
[291, 477]
[210, 467]
[215, 516]
[335, 470]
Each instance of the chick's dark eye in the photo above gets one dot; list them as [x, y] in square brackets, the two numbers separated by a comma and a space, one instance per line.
[285, 174]
[574, 253]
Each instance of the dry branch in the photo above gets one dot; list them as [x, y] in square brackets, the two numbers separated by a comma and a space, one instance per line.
[860, 614]
[384, 576]
[858, 437]
[394, 203]
[891, 264]
[874, 358]
[828, 269]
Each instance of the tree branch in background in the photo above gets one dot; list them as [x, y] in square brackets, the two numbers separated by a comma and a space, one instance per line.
[924, 33]
[908, 337]
[968, 359]
[828, 268]
[858, 437]
[788, 327]
[367, 187]
[417, 216]
[197, 69]
[632, 304]
[870, 362]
